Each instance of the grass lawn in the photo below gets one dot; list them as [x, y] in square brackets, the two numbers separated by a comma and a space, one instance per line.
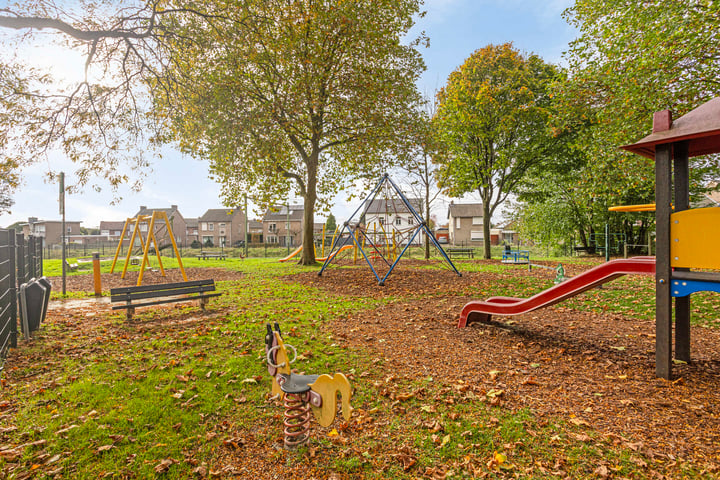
[178, 393]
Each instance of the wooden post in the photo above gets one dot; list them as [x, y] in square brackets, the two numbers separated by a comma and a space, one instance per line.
[681, 183]
[663, 301]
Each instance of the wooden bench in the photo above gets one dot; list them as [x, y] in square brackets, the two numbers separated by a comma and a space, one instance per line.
[467, 252]
[516, 256]
[164, 293]
[71, 267]
[205, 256]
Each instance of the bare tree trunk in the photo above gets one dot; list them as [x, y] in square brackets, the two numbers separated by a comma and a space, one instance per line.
[308, 251]
[486, 230]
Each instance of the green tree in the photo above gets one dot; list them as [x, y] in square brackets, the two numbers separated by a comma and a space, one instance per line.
[631, 60]
[330, 224]
[304, 97]
[492, 118]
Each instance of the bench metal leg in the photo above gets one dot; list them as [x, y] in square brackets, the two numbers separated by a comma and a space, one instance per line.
[129, 313]
[203, 301]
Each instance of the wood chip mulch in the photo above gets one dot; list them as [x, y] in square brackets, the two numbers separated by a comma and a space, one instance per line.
[594, 370]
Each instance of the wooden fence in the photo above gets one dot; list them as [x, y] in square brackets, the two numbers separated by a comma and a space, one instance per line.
[20, 260]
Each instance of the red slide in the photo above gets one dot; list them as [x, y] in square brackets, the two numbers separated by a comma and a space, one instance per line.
[562, 291]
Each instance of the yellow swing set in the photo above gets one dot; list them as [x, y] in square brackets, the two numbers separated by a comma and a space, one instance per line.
[151, 221]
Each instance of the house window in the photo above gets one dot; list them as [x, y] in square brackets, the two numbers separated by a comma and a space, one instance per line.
[221, 240]
[476, 236]
[211, 226]
[222, 225]
[477, 220]
[143, 227]
[207, 240]
[272, 239]
[410, 220]
[398, 221]
[272, 228]
[203, 225]
[457, 222]
[382, 221]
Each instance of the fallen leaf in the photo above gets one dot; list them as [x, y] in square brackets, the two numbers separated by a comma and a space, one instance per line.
[164, 465]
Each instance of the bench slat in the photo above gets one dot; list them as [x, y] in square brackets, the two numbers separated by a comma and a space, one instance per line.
[166, 300]
[123, 297]
[162, 286]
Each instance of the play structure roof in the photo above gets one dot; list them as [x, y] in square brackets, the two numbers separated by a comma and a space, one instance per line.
[700, 127]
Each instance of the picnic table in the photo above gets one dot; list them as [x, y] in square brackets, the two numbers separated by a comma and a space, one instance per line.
[211, 255]
[460, 251]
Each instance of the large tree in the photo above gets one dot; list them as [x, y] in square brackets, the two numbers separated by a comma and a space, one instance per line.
[631, 60]
[303, 98]
[99, 122]
[492, 118]
[418, 166]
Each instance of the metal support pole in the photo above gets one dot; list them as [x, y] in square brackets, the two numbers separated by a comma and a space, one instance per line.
[663, 271]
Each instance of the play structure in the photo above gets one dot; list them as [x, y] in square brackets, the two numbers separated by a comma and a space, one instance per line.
[148, 224]
[377, 242]
[303, 393]
[686, 240]
[297, 251]
[483, 310]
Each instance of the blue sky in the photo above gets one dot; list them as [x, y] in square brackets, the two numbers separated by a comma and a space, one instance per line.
[456, 29]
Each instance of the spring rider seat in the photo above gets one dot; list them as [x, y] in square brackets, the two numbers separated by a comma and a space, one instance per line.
[301, 393]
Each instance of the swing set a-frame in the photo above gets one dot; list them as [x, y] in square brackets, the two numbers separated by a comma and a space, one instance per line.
[151, 222]
[355, 232]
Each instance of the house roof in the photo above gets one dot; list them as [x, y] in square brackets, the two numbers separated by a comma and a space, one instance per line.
[111, 225]
[191, 222]
[218, 215]
[465, 210]
[254, 225]
[280, 213]
[391, 206]
[700, 127]
[168, 211]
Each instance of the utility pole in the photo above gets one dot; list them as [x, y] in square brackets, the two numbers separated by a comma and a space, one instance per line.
[287, 227]
[247, 237]
[61, 201]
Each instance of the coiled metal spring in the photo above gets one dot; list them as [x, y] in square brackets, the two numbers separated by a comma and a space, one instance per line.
[297, 419]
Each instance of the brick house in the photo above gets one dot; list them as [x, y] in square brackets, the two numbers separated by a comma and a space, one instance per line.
[283, 227]
[192, 230]
[221, 227]
[50, 230]
[112, 230]
[255, 231]
[177, 223]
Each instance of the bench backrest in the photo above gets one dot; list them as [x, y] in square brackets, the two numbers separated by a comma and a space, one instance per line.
[122, 294]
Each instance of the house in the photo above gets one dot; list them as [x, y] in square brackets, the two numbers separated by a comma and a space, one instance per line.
[222, 227]
[112, 230]
[255, 231]
[510, 234]
[192, 226]
[50, 230]
[465, 224]
[177, 223]
[282, 225]
[393, 217]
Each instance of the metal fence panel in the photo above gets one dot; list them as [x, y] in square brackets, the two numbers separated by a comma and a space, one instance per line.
[8, 297]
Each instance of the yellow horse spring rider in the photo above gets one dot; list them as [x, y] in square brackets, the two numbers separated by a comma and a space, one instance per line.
[301, 393]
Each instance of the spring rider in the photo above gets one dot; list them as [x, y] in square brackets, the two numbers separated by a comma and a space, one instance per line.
[301, 393]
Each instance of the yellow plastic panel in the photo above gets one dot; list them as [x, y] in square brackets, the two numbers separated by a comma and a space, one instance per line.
[695, 238]
[328, 387]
